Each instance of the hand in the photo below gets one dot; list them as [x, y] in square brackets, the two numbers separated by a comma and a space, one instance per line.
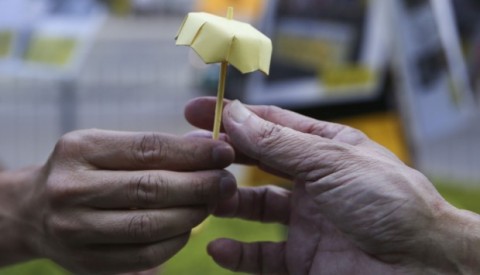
[111, 202]
[354, 208]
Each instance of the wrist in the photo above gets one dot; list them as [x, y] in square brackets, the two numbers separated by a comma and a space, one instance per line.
[18, 215]
[457, 240]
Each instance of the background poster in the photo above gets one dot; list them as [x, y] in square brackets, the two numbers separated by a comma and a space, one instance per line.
[326, 52]
[435, 96]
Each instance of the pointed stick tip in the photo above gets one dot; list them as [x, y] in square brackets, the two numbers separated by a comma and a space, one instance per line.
[230, 13]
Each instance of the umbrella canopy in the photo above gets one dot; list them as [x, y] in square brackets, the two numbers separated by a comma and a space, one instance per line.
[217, 39]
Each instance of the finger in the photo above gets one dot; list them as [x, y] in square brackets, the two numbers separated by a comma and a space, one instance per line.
[153, 189]
[141, 151]
[240, 158]
[281, 148]
[128, 258]
[258, 258]
[128, 226]
[200, 113]
[265, 204]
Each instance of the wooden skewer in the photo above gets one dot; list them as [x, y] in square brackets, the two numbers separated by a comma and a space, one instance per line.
[221, 91]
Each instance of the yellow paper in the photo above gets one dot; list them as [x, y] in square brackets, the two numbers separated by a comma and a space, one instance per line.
[6, 38]
[55, 51]
[217, 39]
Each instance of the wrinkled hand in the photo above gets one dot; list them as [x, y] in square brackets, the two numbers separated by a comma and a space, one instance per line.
[111, 202]
[354, 208]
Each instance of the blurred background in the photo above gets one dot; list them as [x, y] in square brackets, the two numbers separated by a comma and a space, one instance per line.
[406, 72]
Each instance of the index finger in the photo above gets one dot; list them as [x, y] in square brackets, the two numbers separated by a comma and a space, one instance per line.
[200, 113]
[113, 150]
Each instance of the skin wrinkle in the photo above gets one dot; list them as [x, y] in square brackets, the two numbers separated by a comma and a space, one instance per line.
[137, 227]
[193, 151]
[260, 258]
[146, 183]
[311, 259]
[254, 211]
[142, 189]
[201, 190]
[263, 196]
[151, 150]
[237, 208]
[312, 128]
[312, 174]
[240, 259]
[267, 139]
[300, 164]
[386, 235]
[185, 155]
[157, 193]
[284, 217]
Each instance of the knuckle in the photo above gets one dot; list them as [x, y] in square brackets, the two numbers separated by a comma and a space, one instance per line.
[201, 191]
[271, 110]
[148, 189]
[149, 149]
[141, 227]
[268, 138]
[351, 135]
[62, 229]
[58, 192]
[68, 143]
[73, 143]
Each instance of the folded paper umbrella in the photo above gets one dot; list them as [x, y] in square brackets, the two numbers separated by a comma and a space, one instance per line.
[223, 40]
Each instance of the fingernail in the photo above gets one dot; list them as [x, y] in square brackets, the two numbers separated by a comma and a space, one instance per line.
[228, 187]
[239, 112]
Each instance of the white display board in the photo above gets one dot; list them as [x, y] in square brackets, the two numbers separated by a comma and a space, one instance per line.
[48, 40]
[36, 39]
[16, 19]
[434, 92]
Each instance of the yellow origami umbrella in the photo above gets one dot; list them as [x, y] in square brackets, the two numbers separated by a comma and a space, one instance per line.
[223, 40]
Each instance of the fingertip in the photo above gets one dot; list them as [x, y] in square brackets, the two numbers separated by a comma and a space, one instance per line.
[223, 252]
[199, 111]
[228, 186]
[223, 155]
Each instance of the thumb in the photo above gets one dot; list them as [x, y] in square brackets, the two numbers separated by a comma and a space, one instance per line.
[278, 147]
